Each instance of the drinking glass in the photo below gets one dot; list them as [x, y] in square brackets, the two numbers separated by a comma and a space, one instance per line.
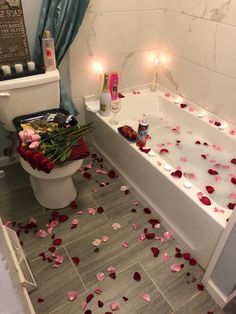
[115, 108]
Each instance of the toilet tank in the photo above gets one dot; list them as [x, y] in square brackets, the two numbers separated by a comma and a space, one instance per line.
[28, 94]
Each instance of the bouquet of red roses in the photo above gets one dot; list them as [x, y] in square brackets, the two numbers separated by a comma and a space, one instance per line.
[43, 150]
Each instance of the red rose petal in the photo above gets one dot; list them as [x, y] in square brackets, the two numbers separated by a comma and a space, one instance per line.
[155, 251]
[40, 300]
[212, 172]
[73, 205]
[200, 287]
[87, 175]
[164, 151]
[192, 261]
[100, 210]
[89, 297]
[52, 249]
[76, 260]
[112, 275]
[153, 222]
[63, 218]
[186, 256]
[100, 304]
[133, 210]
[125, 299]
[54, 215]
[57, 242]
[233, 161]
[88, 312]
[198, 142]
[210, 189]
[121, 95]
[205, 200]
[177, 174]
[233, 180]
[217, 123]
[147, 211]
[231, 206]
[137, 276]
[178, 255]
[182, 106]
[177, 249]
[150, 236]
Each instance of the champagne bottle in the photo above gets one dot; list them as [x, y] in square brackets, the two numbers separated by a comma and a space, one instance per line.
[105, 98]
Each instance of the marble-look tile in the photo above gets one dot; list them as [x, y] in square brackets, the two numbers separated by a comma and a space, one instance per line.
[50, 287]
[106, 34]
[112, 252]
[169, 282]
[127, 5]
[151, 4]
[124, 285]
[19, 204]
[200, 304]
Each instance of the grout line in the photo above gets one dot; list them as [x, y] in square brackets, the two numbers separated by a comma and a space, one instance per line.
[147, 273]
[190, 299]
[75, 268]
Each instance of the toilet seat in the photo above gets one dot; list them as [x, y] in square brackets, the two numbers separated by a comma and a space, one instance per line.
[56, 189]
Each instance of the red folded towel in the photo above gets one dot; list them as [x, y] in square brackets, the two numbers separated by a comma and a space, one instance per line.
[80, 150]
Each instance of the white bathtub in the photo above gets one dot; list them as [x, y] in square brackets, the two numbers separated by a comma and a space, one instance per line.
[196, 226]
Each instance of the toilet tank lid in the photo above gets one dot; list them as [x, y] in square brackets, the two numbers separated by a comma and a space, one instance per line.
[28, 81]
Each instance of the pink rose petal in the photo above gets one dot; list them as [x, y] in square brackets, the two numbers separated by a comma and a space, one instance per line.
[147, 297]
[125, 244]
[111, 269]
[157, 226]
[98, 291]
[72, 295]
[165, 257]
[115, 306]
[92, 211]
[42, 233]
[105, 238]
[116, 226]
[100, 276]
[123, 188]
[84, 305]
[59, 259]
[75, 222]
[80, 212]
[142, 236]
[97, 242]
[135, 226]
[167, 235]
[175, 268]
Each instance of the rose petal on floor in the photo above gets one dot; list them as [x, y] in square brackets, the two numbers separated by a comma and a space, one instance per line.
[75, 260]
[100, 276]
[123, 188]
[125, 299]
[83, 305]
[97, 242]
[111, 269]
[57, 242]
[168, 235]
[115, 306]
[40, 300]
[153, 222]
[135, 226]
[89, 297]
[155, 251]
[116, 226]
[100, 304]
[192, 261]
[147, 211]
[186, 256]
[98, 291]
[72, 295]
[137, 276]
[112, 275]
[105, 238]
[200, 287]
[147, 297]
[165, 257]
[42, 233]
[125, 244]
[92, 211]
[175, 268]
[100, 210]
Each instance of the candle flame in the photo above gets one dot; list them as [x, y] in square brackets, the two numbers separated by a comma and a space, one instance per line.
[97, 67]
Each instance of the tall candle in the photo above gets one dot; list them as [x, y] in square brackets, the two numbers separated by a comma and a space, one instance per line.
[155, 76]
[19, 68]
[98, 69]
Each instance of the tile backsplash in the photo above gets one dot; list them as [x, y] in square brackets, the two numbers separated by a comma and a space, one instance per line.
[197, 37]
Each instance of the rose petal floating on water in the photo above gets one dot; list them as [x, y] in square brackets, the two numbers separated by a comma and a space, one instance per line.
[116, 226]
[231, 206]
[76, 260]
[210, 189]
[125, 244]
[105, 238]
[200, 287]
[97, 242]
[42, 233]
[164, 151]
[233, 161]
[89, 297]
[100, 304]
[167, 235]
[205, 200]
[165, 257]
[212, 172]
[115, 306]
[92, 211]
[175, 268]
[147, 211]
[112, 275]
[98, 291]
[218, 178]
[233, 180]
[186, 256]
[100, 276]
[192, 261]
[232, 132]
[123, 188]
[155, 251]
[137, 276]
[147, 297]
[111, 269]
[177, 174]
[72, 295]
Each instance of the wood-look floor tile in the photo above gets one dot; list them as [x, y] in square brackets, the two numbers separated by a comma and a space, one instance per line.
[179, 287]
[200, 304]
[53, 284]
[124, 285]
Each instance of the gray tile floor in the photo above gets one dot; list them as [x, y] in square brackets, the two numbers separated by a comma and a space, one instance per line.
[169, 292]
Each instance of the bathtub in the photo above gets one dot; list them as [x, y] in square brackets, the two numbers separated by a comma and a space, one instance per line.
[194, 141]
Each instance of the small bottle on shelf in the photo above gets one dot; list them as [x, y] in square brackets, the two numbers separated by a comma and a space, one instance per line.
[142, 135]
[105, 98]
[48, 52]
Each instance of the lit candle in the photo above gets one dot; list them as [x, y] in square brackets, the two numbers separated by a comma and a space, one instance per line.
[155, 76]
[98, 69]
[6, 69]
[31, 66]
[19, 68]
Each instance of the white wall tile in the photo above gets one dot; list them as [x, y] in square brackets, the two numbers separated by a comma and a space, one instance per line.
[120, 5]
[151, 4]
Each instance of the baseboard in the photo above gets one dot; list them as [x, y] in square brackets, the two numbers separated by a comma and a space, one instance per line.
[5, 161]
[220, 298]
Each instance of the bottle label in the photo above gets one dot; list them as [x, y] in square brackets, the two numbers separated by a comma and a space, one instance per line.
[103, 107]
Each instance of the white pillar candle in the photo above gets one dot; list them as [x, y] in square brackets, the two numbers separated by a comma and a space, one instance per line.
[6, 69]
[19, 68]
[31, 65]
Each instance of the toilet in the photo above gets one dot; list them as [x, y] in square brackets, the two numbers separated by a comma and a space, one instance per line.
[33, 94]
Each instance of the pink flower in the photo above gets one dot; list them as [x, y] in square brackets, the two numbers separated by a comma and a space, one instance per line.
[34, 137]
[34, 145]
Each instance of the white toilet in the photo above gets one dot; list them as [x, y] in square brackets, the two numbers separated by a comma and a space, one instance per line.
[32, 94]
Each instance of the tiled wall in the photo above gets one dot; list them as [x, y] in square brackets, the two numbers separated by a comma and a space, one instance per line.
[198, 37]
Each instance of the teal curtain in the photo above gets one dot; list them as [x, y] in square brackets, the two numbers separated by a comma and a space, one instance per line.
[63, 19]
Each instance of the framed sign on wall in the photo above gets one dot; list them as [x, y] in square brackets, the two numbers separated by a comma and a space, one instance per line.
[13, 38]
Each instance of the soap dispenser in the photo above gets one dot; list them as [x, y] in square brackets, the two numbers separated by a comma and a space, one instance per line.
[48, 52]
